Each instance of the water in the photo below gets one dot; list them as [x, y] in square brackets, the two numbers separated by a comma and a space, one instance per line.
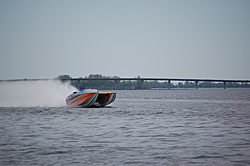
[149, 127]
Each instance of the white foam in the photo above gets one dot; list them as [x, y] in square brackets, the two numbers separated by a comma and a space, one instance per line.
[34, 93]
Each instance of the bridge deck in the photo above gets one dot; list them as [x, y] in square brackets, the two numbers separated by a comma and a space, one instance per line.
[135, 79]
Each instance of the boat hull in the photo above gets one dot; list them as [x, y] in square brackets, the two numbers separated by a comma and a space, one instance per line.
[90, 98]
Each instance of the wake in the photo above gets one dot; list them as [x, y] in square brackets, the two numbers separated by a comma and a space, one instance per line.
[34, 93]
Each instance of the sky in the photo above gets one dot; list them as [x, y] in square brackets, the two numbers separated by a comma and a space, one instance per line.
[127, 38]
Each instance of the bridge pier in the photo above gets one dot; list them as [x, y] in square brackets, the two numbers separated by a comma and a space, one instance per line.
[196, 84]
[225, 84]
[142, 84]
[115, 84]
[78, 84]
[169, 81]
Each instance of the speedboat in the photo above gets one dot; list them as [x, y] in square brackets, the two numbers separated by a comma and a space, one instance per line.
[90, 98]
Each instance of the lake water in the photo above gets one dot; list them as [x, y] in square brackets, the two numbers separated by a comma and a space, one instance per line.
[142, 127]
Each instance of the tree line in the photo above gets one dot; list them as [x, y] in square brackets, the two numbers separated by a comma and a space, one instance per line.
[148, 84]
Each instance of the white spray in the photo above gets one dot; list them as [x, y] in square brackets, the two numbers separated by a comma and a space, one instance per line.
[34, 93]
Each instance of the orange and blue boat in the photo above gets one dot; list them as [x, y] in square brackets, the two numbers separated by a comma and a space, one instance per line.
[90, 98]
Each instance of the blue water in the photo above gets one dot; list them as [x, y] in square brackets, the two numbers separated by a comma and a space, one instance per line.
[142, 127]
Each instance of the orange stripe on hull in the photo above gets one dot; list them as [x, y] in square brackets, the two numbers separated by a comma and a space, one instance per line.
[80, 99]
[75, 99]
[109, 95]
[103, 93]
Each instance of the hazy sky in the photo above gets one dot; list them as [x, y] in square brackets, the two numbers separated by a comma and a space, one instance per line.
[126, 38]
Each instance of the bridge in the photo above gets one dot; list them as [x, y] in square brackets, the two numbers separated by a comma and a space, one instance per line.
[134, 79]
